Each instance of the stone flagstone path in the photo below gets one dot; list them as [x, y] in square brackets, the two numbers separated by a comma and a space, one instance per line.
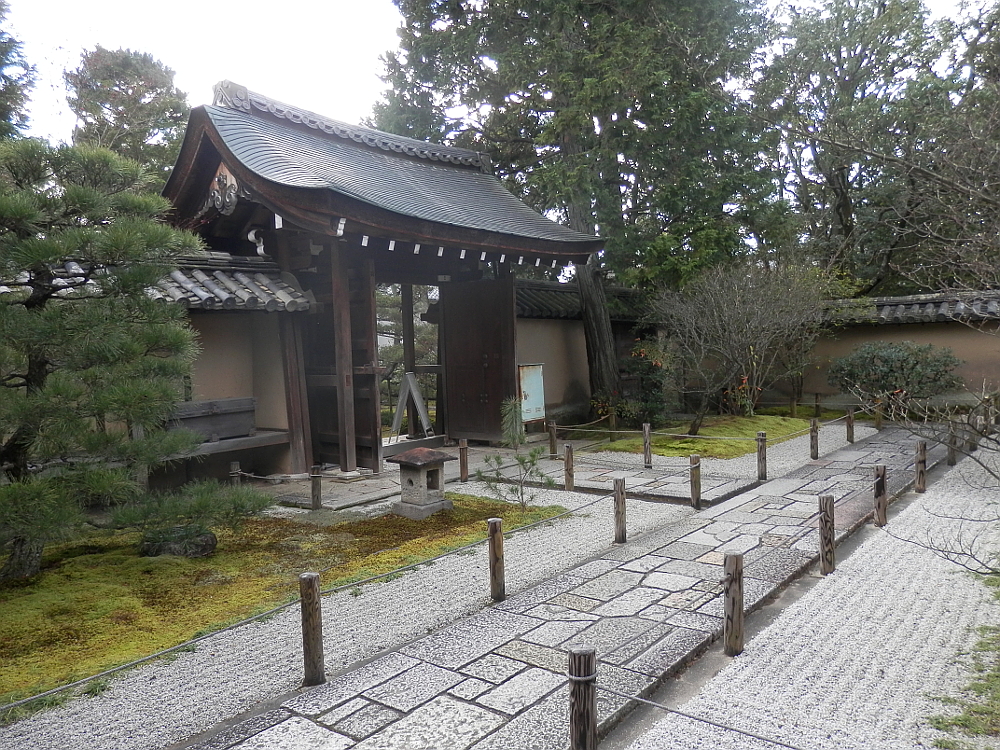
[496, 680]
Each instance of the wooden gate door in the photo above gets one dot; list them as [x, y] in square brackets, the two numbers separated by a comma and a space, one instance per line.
[478, 354]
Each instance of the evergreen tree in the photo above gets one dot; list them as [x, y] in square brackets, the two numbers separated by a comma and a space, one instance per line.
[614, 115]
[16, 79]
[126, 101]
[90, 366]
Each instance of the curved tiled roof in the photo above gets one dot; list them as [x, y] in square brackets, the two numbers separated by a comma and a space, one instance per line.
[421, 188]
[924, 308]
[552, 299]
[234, 96]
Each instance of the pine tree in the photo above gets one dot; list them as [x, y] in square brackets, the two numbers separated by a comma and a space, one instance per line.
[126, 101]
[16, 79]
[90, 365]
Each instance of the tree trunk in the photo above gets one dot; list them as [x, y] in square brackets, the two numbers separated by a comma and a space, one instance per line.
[25, 560]
[602, 354]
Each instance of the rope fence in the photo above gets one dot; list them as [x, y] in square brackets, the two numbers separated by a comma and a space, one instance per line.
[187, 645]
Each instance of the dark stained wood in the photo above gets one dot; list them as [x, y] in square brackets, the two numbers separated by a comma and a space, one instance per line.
[827, 560]
[569, 478]
[296, 393]
[498, 586]
[480, 365]
[312, 630]
[316, 487]
[813, 439]
[732, 627]
[761, 456]
[695, 476]
[620, 532]
[364, 348]
[582, 698]
[850, 425]
[342, 355]
[463, 459]
[881, 496]
[920, 467]
[552, 439]
[409, 355]
[261, 439]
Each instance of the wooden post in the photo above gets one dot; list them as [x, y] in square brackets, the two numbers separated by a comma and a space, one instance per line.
[920, 467]
[695, 472]
[463, 459]
[952, 444]
[647, 446]
[827, 561]
[234, 473]
[813, 438]
[881, 496]
[498, 588]
[312, 630]
[817, 409]
[970, 434]
[568, 467]
[343, 358]
[552, 440]
[582, 698]
[761, 456]
[619, 511]
[878, 415]
[733, 623]
[850, 424]
[613, 422]
[316, 475]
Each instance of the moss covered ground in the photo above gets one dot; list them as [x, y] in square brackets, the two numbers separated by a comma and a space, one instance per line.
[97, 604]
[727, 436]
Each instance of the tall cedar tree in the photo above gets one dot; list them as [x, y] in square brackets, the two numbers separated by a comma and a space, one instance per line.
[16, 79]
[126, 101]
[611, 114]
[90, 366]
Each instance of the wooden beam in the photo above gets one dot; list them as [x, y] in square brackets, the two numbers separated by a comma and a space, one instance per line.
[409, 353]
[343, 358]
[296, 394]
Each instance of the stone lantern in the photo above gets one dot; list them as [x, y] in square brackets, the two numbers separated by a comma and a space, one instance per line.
[421, 482]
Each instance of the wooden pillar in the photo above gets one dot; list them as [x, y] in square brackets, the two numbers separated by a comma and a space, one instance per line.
[552, 440]
[463, 459]
[345, 363]
[920, 467]
[761, 456]
[827, 560]
[409, 356]
[881, 496]
[316, 479]
[814, 439]
[568, 482]
[817, 409]
[878, 415]
[312, 630]
[498, 586]
[695, 475]
[850, 424]
[647, 445]
[234, 473]
[733, 605]
[582, 699]
[620, 511]
[296, 394]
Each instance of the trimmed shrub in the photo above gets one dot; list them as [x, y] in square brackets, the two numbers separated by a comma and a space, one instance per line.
[895, 372]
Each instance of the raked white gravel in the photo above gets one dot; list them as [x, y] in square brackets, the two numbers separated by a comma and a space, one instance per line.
[167, 701]
[859, 661]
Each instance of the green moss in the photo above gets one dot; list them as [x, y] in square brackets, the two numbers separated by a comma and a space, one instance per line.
[776, 427]
[98, 604]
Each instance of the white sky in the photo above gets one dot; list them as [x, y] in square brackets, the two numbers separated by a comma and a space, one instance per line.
[321, 55]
